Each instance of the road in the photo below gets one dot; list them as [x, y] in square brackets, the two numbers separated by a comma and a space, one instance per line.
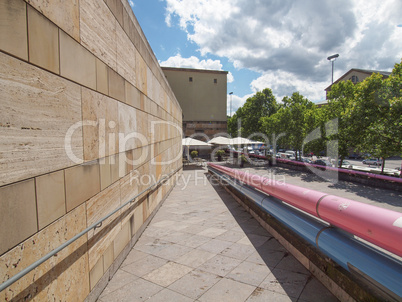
[389, 163]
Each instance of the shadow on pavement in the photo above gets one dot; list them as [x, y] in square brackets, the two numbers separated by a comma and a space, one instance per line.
[286, 271]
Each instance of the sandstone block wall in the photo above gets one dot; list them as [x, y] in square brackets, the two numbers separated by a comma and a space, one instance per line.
[87, 121]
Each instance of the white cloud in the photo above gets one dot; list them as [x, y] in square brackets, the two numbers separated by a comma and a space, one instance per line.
[284, 84]
[131, 2]
[288, 41]
[230, 77]
[237, 102]
[192, 62]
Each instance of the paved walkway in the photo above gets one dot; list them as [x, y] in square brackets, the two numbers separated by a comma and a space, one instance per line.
[202, 246]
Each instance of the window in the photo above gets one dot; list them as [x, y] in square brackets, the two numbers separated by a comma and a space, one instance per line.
[355, 79]
[215, 81]
[190, 79]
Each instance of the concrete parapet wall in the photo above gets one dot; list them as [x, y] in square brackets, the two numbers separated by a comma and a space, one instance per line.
[87, 121]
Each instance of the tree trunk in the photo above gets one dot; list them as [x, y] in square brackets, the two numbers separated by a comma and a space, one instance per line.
[383, 165]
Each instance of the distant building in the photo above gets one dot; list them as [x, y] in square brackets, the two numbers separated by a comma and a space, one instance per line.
[202, 95]
[355, 75]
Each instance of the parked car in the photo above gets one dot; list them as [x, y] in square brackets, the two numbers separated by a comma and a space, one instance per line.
[373, 161]
[345, 164]
[322, 162]
[306, 160]
[354, 156]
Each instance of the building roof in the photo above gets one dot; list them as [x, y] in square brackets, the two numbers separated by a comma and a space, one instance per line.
[384, 73]
[194, 70]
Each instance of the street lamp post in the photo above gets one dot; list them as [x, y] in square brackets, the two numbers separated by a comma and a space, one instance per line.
[230, 93]
[332, 59]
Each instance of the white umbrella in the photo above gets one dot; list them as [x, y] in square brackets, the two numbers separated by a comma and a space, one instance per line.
[192, 142]
[257, 143]
[241, 141]
[220, 140]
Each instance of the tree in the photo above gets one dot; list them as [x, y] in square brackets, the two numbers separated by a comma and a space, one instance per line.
[340, 100]
[263, 103]
[300, 116]
[274, 126]
[377, 114]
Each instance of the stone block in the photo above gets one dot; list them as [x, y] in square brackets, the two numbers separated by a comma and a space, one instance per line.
[105, 173]
[138, 218]
[98, 30]
[128, 187]
[134, 35]
[96, 273]
[108, 257]
[117, 9]
[126, 22]
[122, 239]
[82, 182]
[115, 168]
[125, 56]
[65, 14]
[13, 28]
[141, 72]
[18, 214]
[133, 96]
[38, 111]
[76, 63]
[128, 128]
[101, 133]
[102, 82]
[116, 86]
[62, 277]
[102, 237]
[43, 41]
[50, 195]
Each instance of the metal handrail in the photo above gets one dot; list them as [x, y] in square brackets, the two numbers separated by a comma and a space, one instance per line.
[371, 266]
[95, 225]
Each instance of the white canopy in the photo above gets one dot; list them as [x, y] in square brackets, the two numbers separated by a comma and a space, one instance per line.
[220, 140]
[241, 141]
[192, 142]
[257, 142]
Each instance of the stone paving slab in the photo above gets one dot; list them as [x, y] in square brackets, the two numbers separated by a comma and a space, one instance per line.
[203, 246]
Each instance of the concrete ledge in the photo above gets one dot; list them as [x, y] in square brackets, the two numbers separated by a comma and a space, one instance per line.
[340, 282]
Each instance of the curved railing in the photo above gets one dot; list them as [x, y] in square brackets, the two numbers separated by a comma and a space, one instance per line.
[377, 225]
[372, 266]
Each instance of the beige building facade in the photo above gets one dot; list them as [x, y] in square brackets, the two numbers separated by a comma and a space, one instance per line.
[357, 75]
[202, 95]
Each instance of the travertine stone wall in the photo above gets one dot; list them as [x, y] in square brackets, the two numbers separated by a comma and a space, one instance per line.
[87, 121]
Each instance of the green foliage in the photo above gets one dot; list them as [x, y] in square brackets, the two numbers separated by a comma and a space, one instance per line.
[292, 122]
[194, 154]
[366, 116]
[377, 114]
[220, 152]
[263, 103]
[340, 100]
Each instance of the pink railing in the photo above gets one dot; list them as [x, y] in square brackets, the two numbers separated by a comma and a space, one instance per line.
[379, 226]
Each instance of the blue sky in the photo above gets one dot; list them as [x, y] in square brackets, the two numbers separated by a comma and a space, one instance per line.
[279, 44]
